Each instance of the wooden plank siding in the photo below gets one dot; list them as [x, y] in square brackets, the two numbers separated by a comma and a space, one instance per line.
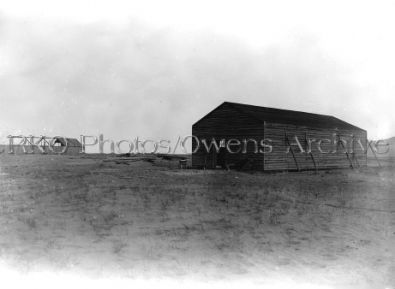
[279, 160]
[228, 122]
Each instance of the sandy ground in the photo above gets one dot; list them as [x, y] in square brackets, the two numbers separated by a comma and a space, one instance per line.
[144, 218]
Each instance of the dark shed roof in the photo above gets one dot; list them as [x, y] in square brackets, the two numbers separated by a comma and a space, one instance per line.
[284, 116]
[71, 142]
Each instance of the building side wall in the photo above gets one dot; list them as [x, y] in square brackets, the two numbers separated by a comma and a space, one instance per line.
[227, 123]
[278, 159]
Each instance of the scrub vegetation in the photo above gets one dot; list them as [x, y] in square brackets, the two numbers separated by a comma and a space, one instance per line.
[141, 216]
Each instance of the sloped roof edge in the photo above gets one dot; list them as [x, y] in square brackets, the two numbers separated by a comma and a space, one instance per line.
[284, 116]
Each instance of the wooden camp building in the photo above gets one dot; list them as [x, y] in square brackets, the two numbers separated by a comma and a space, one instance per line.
[59, 145]
[262, 138]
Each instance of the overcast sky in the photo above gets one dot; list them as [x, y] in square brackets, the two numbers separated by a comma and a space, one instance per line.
[153, 68]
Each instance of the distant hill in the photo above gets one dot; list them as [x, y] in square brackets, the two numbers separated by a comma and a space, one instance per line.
[391, 140]
[391, 152]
